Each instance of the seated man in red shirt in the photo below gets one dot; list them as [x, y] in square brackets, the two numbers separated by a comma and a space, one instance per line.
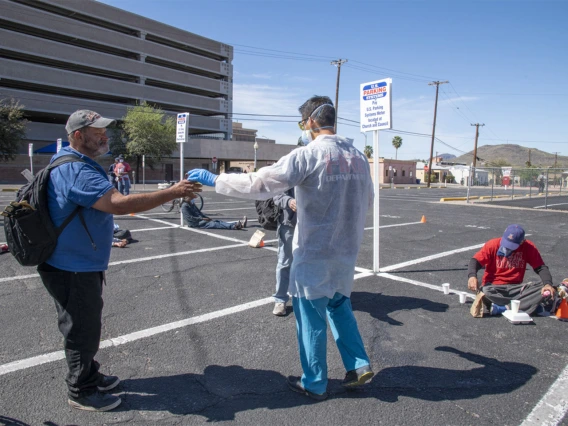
[505, 260]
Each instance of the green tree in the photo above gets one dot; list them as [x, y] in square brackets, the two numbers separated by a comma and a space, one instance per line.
[147, 131]
[12, 128]
[496, 169]
[368, 151]
[397, 143]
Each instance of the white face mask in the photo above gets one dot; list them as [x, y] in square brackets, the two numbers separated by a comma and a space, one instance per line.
[306, 137]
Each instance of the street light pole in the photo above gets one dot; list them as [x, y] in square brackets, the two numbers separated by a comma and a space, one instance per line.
[255, 148]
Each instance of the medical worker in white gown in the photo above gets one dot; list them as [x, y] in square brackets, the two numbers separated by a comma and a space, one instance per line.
[333, 188]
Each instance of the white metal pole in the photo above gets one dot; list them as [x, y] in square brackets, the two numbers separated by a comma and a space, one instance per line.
[376, 202]
[31, 154]
[181, 175]
[144, 172]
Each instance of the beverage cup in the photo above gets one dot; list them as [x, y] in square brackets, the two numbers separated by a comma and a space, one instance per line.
[446, 288]
[515, 306]
[463, 297]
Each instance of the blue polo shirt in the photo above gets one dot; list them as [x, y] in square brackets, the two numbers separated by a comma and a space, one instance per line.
[80, 184]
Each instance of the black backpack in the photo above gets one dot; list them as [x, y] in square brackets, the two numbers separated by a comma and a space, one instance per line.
[30, 233]
[268, 213]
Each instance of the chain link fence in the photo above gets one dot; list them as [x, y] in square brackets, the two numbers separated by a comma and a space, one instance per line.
[491, 183]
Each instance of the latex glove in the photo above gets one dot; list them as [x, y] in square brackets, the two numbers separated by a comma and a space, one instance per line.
[473, 284]
[202, 176]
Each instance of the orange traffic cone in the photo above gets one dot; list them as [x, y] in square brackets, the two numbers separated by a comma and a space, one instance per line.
[423, 220]
[261, 244]
[131, 214]
[562, 312]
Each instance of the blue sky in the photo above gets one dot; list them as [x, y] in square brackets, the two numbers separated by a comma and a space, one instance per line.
[506, 61]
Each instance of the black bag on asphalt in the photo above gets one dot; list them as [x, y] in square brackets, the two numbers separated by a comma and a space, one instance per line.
[268, 213]
[30, 233]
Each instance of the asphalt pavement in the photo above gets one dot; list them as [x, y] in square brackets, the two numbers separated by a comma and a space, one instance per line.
[187, 325]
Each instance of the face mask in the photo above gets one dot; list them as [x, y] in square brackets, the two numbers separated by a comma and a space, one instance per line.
[306, 137]
[504, 251]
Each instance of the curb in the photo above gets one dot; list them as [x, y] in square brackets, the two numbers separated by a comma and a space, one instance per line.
[458, 199]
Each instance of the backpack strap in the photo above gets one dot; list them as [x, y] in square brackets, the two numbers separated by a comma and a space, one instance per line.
[71, 158]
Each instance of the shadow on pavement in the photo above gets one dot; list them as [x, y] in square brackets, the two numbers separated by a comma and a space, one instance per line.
[440, 384]
[221, 392]
[379, 306]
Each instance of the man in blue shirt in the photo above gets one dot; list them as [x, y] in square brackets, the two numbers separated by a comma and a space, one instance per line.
[75, 273]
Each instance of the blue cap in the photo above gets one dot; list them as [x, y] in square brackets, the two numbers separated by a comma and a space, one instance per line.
[513, 236]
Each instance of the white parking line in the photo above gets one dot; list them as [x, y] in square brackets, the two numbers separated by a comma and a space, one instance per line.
[553, 406]
[550, 205]
[55, 356]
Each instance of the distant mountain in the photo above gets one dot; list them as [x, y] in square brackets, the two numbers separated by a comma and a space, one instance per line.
[515, 155]
[447, 156]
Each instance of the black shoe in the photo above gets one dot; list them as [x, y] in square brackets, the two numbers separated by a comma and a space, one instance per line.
[358, 377]
[295, 383]
[244, 221]
[95, 401]
[107, 383]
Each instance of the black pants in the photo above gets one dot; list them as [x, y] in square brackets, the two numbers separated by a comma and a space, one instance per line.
[79, 304]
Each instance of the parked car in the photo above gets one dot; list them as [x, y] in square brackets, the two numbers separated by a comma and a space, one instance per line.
[234, 170]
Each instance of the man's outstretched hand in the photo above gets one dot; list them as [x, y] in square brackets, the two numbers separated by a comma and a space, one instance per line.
[185, 189]
[202, 176]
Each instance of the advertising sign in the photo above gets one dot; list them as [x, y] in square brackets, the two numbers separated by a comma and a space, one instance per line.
[376, 105]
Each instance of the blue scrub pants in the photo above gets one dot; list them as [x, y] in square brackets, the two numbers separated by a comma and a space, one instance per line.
[311, 326]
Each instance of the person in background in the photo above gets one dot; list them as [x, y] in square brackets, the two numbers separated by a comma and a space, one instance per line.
[111, 175]
[196, 219]
[285, 231]
[121, 171]
[505, 260]
[333, 189]
[75, 272]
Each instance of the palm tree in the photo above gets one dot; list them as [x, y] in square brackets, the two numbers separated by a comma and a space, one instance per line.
[368, 151]
[397, 143]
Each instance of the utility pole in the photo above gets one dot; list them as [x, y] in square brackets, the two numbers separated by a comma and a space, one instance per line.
[475, 151]
[338, 64]
[437, 84]
[475, 145]
[529, 162]
[555, 160]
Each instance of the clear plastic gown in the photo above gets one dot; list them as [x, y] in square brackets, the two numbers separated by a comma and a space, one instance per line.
[334, 191]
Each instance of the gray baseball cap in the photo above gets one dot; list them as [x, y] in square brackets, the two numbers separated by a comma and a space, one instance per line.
[85, 118]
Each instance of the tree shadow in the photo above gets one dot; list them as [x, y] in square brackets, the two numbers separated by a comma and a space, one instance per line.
[379, 306]
[223, 391]
[9, 421]
[440, 384]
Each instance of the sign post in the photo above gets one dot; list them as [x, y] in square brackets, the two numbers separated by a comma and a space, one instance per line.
[144, 172]
[214, 163]
[31, 154]
[182, 130]
[59, 144]
[376, 115]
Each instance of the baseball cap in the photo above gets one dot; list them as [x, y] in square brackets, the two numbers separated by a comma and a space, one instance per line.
[513, 236]
[85, 118]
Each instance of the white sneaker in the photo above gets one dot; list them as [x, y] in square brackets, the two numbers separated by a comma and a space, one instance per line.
[279, 309]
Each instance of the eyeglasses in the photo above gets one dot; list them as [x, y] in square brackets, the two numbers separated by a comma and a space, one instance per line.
[301, 123]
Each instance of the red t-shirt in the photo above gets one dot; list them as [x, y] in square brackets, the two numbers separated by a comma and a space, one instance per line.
[507, 270]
